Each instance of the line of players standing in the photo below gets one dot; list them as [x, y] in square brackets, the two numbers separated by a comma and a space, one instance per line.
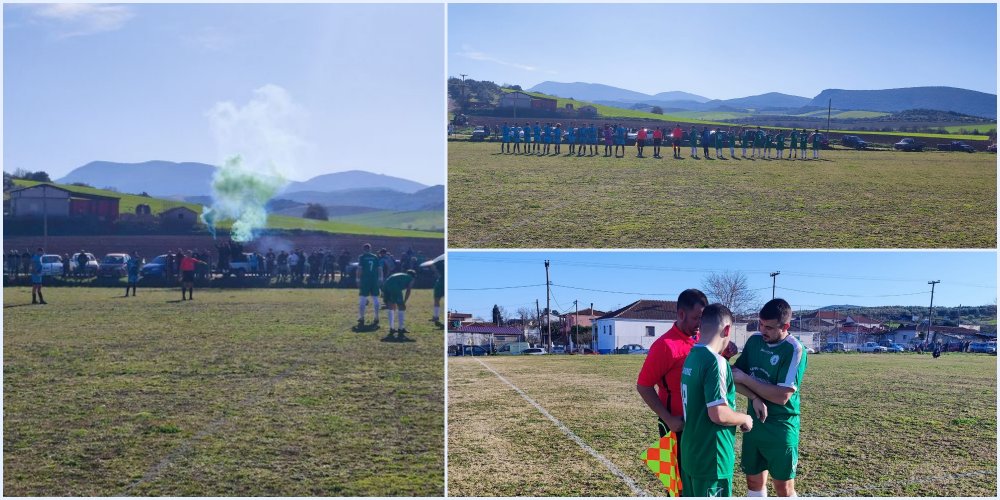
[584, 140]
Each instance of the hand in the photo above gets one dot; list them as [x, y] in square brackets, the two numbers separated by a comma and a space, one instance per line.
[675, 424]
[747, 424]
[739, 377]
[760, 407]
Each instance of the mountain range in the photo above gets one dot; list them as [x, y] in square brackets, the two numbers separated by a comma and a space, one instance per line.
[969, 102]
[189, 181]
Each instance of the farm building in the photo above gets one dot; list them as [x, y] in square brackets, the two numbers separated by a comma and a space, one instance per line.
[456, 320]
[179, 217]
[544, 104]
[909, 333]
[641, 322]
[46, 199]
[516, 100]
[486, 335]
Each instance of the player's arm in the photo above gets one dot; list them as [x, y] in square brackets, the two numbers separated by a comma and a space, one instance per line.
[773, 393]
[406, 297]
[755, 401]
[721, 414]
[652, 400]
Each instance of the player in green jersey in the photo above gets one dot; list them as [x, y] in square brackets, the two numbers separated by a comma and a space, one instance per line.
[816, 137]
[803, 139]
[779, 143]
[369, 276]
[693, 137]
[395, 292]
[772, 365]
[438, 292]
[793, 152]
[710, 417]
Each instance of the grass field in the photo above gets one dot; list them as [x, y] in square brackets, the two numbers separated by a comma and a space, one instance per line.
[849, 199]
[240, 392]
[426, 220]
[872, 425]
[128, 202]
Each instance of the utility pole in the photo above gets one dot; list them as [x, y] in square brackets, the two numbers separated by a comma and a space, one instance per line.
[465, 100]
[538, 320]
[548, 306]
[593, 337]
[774, 282]
[930, 310]
[576, 334]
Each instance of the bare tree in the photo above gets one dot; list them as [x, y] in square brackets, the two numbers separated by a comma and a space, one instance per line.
[731, 289]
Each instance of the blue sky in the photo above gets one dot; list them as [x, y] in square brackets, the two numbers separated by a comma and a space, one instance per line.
[137, 82]
[723, 51]
[807, 280]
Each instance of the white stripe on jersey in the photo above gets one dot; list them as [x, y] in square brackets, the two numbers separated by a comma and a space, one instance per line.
[721, 364]
[793, 368]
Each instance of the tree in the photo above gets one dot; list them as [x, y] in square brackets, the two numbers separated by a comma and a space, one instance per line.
[656, 110]
[316, 211]
[731, 289]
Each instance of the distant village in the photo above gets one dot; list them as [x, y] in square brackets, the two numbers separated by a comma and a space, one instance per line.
[633, 328]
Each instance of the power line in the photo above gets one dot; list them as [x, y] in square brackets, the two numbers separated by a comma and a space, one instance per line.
[493, 288]
[850, 295]
[477, 258]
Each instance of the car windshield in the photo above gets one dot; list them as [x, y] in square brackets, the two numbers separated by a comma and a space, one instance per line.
[48, 259]
[114, 259]
[162, 259]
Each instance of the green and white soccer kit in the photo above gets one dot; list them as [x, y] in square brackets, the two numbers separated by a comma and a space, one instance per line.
[707, 449]
[773, 445]
[368, 285]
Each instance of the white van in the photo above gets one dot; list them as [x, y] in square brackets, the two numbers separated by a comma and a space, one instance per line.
[513, 348]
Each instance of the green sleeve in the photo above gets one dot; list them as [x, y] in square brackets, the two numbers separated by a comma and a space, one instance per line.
[715, 384]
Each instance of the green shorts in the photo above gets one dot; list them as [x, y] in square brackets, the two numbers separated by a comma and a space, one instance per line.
[706, 486]
[394, 297]
[438, 289]
[368, 289]
[780, 460]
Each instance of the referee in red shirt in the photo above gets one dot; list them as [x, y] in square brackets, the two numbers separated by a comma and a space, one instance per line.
[659, 381]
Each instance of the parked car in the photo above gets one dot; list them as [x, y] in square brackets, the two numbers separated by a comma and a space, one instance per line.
[853, 141]
[895, 348]
[632, 349]
[533, 351]
[956, 146]
[513, 348]
[479, 134]
[810, 350]
[114, 265]
[91, 265]
[908, 144]
[154, 268]
[834, 347]
[984, 347]
[871, 347]
[992, 148]
[558, 349]
[467, 350]
[52, 265]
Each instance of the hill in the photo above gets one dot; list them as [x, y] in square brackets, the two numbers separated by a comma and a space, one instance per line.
[969, 102]
[355, 179]
[128, 202]
[158, 178]
[431, 198]
[599, 92]
[171, 179]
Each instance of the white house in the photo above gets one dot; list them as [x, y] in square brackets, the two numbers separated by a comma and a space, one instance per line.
[642, 322]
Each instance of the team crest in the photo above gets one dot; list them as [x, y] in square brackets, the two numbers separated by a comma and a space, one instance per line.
[774, 360]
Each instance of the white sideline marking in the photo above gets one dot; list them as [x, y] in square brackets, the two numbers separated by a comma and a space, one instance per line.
[876, 487]
[636, 490]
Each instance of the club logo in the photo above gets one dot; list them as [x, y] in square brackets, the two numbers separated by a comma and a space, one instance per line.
[714, 492]
[774, 360]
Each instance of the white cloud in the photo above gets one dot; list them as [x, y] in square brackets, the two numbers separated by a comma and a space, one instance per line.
[471, 53]
[80, 19]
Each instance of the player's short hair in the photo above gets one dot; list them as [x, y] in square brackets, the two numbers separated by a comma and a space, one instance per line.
[776, 309]
[367, 247]
[715, 317]
[690, 298]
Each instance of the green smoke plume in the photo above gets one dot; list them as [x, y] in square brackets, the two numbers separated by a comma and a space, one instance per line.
[240, 195]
